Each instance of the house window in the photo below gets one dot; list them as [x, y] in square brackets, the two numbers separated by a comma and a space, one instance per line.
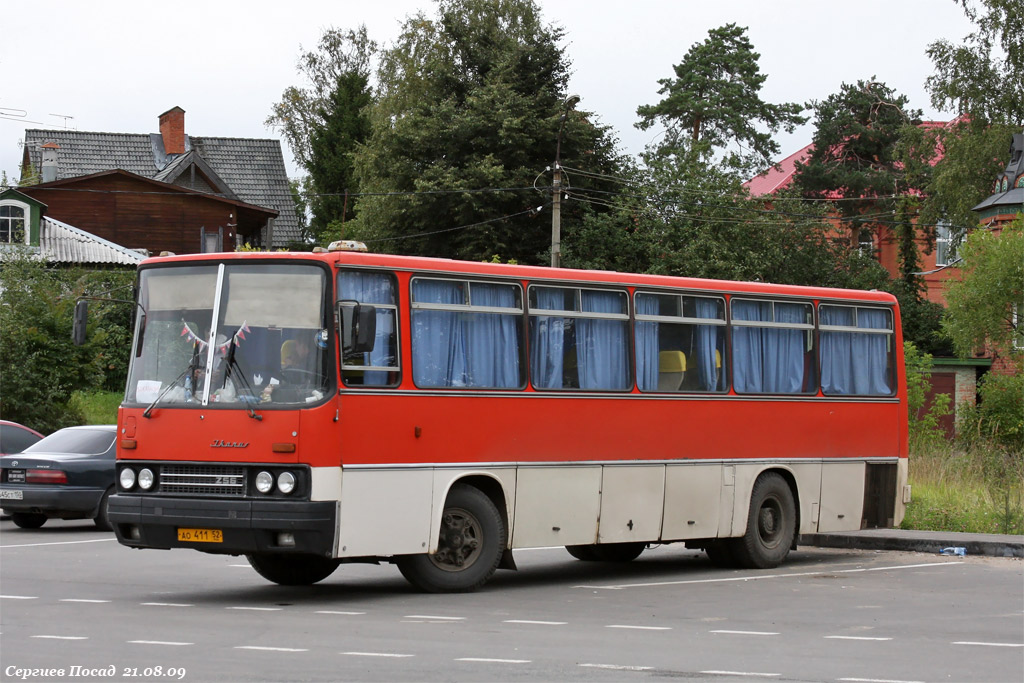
[947, 240]
[12, 224]
[866, 242]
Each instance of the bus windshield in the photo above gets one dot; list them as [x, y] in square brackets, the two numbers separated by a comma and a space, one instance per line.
[237, 335]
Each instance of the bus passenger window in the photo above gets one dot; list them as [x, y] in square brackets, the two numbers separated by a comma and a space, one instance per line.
[579, 339]
[680, 342]
[379, 367]
[772, 347]
[856, 350]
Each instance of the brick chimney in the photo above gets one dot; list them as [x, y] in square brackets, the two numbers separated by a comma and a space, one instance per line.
[49, 165]
[172, 129]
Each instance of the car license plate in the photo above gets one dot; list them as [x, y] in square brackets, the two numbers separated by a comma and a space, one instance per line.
[16, 476]
[9, 494]
[201, 535]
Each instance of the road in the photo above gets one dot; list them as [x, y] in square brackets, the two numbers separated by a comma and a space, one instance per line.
[70, 596]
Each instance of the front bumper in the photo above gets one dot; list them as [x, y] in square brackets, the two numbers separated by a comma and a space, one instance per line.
[54, 501]
[248, 526]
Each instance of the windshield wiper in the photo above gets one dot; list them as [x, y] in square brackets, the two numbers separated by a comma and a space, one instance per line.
[190, 368]
[232, 362]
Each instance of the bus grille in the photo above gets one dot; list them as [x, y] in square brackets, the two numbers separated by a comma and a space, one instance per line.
[203, 480]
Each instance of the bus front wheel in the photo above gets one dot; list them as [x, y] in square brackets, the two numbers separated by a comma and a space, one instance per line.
[472, 538]
[292, 570]
[771, 524]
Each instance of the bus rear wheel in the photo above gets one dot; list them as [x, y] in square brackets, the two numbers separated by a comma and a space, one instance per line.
[292, 570]
[771, 524]
[607, 552]
[472, 540]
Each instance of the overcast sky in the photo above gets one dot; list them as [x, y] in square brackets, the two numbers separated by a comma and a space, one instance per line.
[114, 66]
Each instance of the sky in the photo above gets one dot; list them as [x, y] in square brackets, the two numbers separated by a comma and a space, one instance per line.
[116, 65]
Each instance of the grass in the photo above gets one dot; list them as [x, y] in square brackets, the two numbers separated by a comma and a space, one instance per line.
[98, 407]
[978, 490]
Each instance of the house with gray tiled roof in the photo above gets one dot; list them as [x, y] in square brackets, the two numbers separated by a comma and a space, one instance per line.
[246, 175]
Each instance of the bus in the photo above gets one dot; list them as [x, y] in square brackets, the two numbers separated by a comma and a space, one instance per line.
[307, 410]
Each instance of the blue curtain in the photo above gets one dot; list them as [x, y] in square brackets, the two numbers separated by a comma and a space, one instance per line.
[438, 345]
[492, 340]
[768, 360]
[647, 346]
[374, 288]
[601, 345]
[854, 363]
[709, 370]
[547, 341]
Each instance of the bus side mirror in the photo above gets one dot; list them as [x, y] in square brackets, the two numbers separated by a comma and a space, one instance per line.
[78, 324]
[358, 326]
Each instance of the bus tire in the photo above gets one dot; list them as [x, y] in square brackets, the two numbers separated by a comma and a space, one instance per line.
[720, 553]
[292, 570]
[28, 520]
[771, 524]
[471, 543]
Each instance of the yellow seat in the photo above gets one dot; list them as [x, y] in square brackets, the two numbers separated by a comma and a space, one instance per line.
[671, 370]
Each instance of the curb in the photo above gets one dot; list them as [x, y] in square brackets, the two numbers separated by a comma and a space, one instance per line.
[921, 542]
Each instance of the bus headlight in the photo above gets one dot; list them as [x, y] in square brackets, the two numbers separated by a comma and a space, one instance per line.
[286, 482]
[145, 479]
[127, 478]
[264, 482]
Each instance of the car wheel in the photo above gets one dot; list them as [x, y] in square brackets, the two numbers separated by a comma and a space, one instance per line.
[28, 520]
[102, 518]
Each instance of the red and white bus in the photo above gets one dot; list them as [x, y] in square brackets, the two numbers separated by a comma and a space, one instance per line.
[311, 409]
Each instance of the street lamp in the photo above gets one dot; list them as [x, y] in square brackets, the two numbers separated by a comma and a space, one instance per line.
[556, 187]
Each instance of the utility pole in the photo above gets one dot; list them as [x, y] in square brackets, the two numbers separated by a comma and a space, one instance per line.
[556, 188]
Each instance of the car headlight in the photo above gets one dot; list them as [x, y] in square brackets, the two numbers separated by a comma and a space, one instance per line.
[264, 482]
[145, 479]
[127, 478]
[286, 482]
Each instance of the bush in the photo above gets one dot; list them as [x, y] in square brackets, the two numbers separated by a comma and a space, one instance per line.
[999, 415]
[924, 426]
[40, 366]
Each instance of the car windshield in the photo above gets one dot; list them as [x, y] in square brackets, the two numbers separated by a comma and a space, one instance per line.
[231, 335]
[80, 441]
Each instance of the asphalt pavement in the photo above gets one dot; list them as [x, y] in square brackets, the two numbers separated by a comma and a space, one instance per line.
[945, 542]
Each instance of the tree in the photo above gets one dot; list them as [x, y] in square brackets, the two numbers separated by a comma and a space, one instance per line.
[714, 103]
[467, 120]
[40, 367]
[324, 122]
[986, 306]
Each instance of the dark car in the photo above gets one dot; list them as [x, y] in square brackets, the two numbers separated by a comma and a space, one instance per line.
[14, 438]
[68, 474]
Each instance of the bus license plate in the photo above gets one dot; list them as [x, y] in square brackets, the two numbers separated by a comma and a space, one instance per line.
[201, 535]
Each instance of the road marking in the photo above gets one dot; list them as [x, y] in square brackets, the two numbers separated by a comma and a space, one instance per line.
[81, 600]
[538, 623]
[748, 633]
[854, 638]
[37, 545]
[617, 667]
[348, 614]
[63, 637]
[375, 654]
[968, 642]
[493, 661]
[641, 628]
[157, 642]
[432, 618]
[258, 609]
[876, 680]
[20, 597]
[740, 673]
[166, 604]
[758, 577]
[271, 649]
